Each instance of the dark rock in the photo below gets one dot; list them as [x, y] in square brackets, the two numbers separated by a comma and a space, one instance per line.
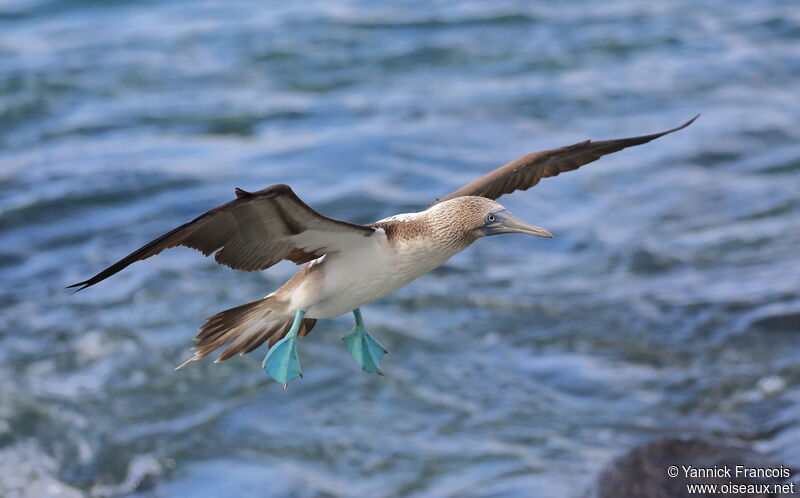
[642, 472]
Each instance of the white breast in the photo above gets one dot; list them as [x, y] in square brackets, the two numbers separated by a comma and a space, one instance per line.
[374, 269]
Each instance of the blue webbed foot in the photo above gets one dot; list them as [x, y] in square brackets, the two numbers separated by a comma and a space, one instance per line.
[282, 362]
[365, 349]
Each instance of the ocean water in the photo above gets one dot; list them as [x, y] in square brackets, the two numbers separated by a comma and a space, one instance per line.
[667, 305]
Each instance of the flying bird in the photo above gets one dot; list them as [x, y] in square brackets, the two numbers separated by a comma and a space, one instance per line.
[346, 264]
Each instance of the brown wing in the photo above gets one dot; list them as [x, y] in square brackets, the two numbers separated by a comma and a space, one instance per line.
[253, 232]
[526, 171]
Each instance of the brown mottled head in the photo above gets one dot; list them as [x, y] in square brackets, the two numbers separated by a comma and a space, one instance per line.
[474, 217]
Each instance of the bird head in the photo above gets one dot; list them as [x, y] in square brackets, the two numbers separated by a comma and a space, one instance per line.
[497, 221]
[481, 217]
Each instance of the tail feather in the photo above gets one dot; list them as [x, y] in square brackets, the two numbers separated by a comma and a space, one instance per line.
[257, 340]
[250, 325]
[306, 326]
[225, 320]
[257, 336]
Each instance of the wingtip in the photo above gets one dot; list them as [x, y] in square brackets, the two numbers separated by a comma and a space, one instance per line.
[677, 128]
[684, 125]
[80, 285]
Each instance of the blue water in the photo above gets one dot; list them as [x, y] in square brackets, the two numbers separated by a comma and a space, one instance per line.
[668, 304]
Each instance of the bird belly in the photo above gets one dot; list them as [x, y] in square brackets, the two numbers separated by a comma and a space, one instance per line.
[357, 277]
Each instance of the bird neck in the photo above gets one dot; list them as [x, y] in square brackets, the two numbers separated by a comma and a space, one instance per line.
[436, 228]
[449, 230]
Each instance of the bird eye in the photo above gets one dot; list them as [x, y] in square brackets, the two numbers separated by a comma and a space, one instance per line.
[490, 218]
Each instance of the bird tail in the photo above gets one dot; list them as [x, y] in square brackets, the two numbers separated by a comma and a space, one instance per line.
[250, 324]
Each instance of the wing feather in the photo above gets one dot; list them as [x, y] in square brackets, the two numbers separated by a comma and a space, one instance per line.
[252, 232]
[526, 171]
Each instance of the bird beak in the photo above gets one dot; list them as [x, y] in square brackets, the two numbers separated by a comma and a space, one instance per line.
[508, 223]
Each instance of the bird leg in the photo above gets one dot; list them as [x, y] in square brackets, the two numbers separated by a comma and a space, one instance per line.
[365, 349]
[281, 362]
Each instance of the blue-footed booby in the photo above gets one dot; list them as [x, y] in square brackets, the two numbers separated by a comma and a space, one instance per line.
[347, 264]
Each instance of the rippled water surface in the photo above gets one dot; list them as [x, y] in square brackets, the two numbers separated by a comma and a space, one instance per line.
[668, 304]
